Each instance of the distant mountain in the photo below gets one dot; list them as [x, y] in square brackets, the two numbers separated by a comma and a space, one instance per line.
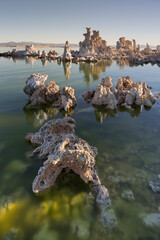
[21, 44]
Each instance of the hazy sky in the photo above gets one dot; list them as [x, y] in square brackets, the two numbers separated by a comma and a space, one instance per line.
[55, 21]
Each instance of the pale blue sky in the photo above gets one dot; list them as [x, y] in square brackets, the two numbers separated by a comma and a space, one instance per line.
[55, 21]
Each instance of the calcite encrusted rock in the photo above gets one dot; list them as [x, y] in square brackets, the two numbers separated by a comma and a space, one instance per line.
[67, 56]
[125, 94]
[92, 45]
[56, 141]
[40, 93]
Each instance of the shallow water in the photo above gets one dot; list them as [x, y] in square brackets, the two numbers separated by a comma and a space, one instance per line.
[129, 156]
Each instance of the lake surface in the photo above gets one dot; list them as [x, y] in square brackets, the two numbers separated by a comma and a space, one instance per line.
[129, 156]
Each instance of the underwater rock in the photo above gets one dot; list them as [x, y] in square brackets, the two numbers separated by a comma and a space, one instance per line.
[125, 94]
[128, 195]
[81, 228]
[155, 185]
[12, 234]
[152, 220]
[40, 93]
[46, 233]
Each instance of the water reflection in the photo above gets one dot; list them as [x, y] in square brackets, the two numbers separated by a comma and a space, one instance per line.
[101, 112]
[93, 70]
[37, 115]
[67, 68]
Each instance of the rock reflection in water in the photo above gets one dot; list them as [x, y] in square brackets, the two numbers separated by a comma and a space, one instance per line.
[101, 112]
[93, 70]
[36, 115]
[67, 67]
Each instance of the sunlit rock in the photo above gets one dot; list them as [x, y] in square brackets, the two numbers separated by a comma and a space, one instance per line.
[33, 82]
[68, 99]
[43, 94]
[92, 45]
[125, 94]
[52, 54]
[107, 82]
[67, 56]
[64, 151]
[56, 141]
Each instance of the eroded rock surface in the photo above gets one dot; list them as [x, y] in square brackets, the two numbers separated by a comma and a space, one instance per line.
[125, 94]
[92, 45]
[67, 56]
[41, 93]
[56, 141]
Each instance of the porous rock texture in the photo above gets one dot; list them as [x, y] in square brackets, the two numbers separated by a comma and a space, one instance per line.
[56, 141]
[40, 93]
[126, 92]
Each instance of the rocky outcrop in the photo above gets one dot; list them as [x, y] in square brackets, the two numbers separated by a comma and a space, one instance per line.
[40, 93]
[125, 94]
[67, 56]
[52, 54]
[29, 51]
[127, 45]
[63, 150]
[92, 45]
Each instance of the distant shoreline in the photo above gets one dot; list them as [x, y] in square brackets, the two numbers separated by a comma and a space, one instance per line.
[36, 45]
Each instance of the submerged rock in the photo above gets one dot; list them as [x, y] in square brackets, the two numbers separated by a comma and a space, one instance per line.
[152, 220]
[40, 93]
[128, 195]
[12, 234]
[125, 94]
[80, 228]
[155, 185]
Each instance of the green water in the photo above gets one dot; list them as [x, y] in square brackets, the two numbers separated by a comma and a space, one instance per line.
[129, 156]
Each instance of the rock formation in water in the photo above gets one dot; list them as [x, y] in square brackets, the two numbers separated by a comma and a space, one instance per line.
[128, 45]
[94, 49]
[56, 141]
[52, 54]
[67, 56]
[92, 44]
[29, 51]
[40, 93]
[125, 94]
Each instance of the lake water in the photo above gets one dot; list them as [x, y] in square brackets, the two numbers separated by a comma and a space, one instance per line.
[129, 156]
